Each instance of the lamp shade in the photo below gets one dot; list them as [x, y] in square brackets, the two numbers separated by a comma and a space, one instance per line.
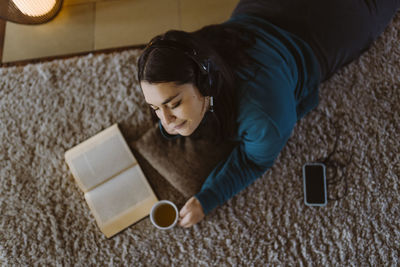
[29, 11]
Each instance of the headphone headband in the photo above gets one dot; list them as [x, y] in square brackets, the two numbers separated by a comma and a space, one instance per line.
[204, 66]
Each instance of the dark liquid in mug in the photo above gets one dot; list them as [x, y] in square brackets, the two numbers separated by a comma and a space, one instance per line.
[164, 215]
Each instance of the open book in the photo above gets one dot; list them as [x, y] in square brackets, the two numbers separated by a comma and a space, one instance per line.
[114, 185]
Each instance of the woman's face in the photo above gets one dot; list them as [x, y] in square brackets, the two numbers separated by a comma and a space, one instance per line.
[180, 108]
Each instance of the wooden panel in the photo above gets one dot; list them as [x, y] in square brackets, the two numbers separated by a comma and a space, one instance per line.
[2, 33]
[70, 32]
[196, 14]
[133, 22]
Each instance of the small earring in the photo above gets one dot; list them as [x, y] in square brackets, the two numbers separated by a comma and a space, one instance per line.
[211, 104]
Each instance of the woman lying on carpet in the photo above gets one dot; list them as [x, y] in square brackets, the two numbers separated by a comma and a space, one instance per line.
[253, 76]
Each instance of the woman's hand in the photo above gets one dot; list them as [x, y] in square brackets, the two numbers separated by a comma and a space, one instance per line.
[191, 213]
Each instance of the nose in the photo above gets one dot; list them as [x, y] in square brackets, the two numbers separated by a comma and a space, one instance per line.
[166, 116]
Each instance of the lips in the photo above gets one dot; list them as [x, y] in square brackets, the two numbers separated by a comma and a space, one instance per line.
[179, 126]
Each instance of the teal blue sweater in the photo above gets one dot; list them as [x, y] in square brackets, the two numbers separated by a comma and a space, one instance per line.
[279, 88]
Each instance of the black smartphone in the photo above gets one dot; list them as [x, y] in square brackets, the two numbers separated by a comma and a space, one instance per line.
[314, 184]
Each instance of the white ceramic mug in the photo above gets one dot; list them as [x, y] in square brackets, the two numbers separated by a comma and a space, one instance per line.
[154, 211]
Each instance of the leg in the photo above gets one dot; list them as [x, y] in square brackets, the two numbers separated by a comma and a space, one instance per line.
[345, 29]
[337, 31]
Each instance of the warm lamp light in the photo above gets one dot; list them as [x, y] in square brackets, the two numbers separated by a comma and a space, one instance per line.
[29, 11]
[35, 8]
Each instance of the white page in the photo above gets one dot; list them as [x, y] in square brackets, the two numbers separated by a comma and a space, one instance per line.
[103, 161]
[117, 195]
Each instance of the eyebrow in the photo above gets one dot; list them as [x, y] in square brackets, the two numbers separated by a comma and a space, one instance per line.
[169, 99]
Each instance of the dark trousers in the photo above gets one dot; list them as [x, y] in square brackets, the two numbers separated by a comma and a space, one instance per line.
[338, 31]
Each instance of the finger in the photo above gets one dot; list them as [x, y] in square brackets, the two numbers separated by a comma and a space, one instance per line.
[186, 221]
[183, 221]
[185, 210]
[187, 225]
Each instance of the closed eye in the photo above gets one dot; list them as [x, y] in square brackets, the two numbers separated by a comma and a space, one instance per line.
[175, 106]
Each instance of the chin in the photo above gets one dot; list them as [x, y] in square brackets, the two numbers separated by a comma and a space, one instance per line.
[186, 132]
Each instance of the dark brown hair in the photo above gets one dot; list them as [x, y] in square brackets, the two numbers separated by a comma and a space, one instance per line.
[221, 45]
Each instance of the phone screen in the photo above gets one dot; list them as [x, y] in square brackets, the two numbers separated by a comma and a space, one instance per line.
[314, 179]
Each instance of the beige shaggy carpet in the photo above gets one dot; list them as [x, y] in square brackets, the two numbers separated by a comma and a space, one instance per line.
[47, 108]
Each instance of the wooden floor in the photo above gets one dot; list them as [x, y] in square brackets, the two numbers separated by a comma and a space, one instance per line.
[92, 26]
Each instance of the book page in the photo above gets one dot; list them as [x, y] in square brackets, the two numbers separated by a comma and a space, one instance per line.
[123, 194]
[99, 158]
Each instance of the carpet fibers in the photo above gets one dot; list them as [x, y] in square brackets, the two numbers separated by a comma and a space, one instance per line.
[47, 108]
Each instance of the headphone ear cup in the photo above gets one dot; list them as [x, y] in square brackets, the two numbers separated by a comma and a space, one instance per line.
[209, 72]
[204, 83]
[210, 76]
[204, 80]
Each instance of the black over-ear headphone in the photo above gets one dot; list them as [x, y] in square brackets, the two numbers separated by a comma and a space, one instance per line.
[203, 64]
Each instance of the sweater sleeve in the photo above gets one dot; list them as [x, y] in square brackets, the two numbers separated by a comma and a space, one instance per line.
[253, 156]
